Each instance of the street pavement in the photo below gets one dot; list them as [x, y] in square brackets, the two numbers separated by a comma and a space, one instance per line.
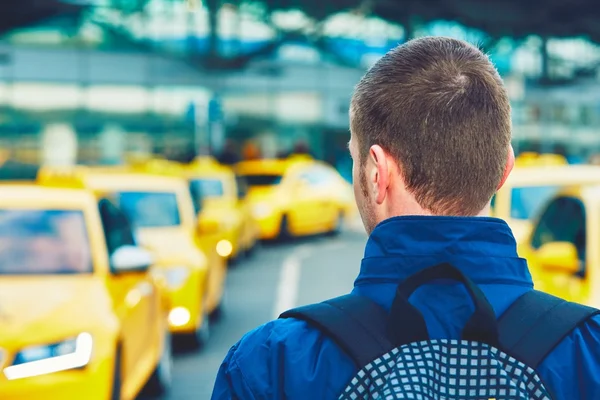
[277, 277]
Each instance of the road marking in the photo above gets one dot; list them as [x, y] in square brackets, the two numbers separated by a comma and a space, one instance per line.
[289, 280]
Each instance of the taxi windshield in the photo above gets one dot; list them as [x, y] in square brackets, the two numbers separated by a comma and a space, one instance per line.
[43, 242]
[262, 180]
[204, 188]
[527, 201]
[150, 209]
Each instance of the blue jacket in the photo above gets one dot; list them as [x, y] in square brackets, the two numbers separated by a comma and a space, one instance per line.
[287, 359]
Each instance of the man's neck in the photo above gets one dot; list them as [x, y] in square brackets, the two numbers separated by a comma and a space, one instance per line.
[412, 208]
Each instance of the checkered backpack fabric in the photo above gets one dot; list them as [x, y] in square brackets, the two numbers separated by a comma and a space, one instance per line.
[446, 369]
[493, 360]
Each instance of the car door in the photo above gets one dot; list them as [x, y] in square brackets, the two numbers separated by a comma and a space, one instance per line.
[249, 227]
[307, 206]
[337, 194]
[134, 294]
[563, 220]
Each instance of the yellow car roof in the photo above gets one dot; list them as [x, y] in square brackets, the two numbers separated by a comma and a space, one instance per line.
[271, 166]
[108, 178]
[32, 195]
[590, 192]
[205, 166]
[554, 175]
[530, 159]
[133, 181]
[158, 167]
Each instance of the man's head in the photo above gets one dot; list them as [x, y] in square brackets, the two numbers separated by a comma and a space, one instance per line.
[430, 132]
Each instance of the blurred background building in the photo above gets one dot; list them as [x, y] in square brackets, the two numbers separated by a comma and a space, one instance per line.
[100, 81]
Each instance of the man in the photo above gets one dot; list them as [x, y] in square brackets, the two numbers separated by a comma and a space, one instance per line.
[430, 142]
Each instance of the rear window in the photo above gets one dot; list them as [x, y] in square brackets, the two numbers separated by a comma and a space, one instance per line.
[526, 202]
[207, 187]
[43, 242]
[150, 209]
[262, 180]
[201, 189]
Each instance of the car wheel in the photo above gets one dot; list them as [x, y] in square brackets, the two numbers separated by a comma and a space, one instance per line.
[162, 377]
[233, 262]
[339, 224]
[251, 251]
[117, 378]
[203, 332]
[284, 229]
[200, 337]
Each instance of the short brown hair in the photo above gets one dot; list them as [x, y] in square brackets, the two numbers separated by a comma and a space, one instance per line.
[439, 107]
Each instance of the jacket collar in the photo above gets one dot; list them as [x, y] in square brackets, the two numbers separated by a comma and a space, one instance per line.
[483, 248]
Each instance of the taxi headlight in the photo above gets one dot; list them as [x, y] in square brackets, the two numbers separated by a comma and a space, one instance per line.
[262, 210]
[46, 359]
[224, 248]
[175, 276]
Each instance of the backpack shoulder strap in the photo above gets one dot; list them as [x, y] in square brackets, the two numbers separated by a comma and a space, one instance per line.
[355, 323]
[537, 322]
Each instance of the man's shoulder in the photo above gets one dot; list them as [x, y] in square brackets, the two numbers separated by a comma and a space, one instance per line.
[281, 335]
[573, 368]
[290, 355]
[586, 337]
[592, 325]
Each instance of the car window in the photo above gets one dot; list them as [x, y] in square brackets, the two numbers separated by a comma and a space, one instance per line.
[563, 220]
[317, 176]
[197, 198]
[263, 179]
[150, 209]
[241, 184]
[201, 189]
[207, 187]
[526, 202]
[117, 228]
[43, 242]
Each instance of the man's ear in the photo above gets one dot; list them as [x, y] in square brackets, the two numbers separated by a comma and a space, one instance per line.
[510, 163]
[382, 173]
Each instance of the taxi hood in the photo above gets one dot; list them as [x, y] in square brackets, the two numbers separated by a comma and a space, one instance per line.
[219, 203]
[261, 193]
[34, 309]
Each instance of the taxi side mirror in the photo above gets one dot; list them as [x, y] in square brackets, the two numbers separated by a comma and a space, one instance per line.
[559, 257]
[207, 226]
[131, 259]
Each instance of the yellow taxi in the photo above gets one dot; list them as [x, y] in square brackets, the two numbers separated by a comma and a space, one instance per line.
[562, 250]
[161, 212]
[209, 234]
[532, 159]
[296, 196]
[220, 196]
[528, 189]
[81, 316]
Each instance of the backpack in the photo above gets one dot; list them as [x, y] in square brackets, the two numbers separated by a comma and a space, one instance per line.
[495, 359]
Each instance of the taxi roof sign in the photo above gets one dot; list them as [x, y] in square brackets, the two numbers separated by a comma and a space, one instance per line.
[64, 177]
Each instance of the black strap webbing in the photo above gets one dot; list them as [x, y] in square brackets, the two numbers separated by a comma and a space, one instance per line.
[529, 330]
[356, 324]
[536, 323]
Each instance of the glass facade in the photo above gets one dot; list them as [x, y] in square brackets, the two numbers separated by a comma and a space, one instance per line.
[171, 118]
